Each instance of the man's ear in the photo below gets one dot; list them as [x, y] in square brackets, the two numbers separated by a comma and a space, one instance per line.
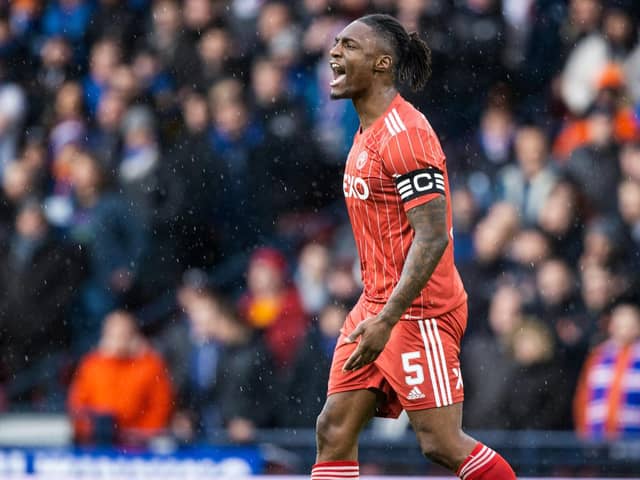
[383, 63]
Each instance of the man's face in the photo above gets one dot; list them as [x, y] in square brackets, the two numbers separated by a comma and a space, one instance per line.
[352, 60]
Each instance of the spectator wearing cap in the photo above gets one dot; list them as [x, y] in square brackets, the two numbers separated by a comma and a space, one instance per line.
[272, 304]
[611, 96]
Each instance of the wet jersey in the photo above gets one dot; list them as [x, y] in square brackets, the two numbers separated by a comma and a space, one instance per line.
[394, 165]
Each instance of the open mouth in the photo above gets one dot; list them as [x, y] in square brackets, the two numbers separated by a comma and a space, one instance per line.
[339, 73]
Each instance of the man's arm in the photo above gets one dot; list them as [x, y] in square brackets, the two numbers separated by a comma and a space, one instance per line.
[429, 222]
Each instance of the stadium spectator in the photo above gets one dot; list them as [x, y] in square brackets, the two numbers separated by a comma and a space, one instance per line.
[215, 62]
[528, 403]
[490, 264]
[173, 43]
[272, 304]
[39, 278]
[105, 56]
[68, 132]
[559, 306]
[310, 277]
[490, 351]
[13, 110]
[527, 183]
[69, 18]
[607, 399]
[476, 161]
[121, 391]
[465, 216]
[191, 158]
[104, 137]
[18, 185]
[55, 69]
[229, 383]
[594, 167]
[307, 387]
[629, 206]
[115, 240]
[562, 219]
[113, 19]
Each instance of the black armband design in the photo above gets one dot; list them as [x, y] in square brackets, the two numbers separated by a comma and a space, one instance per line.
[420, 182]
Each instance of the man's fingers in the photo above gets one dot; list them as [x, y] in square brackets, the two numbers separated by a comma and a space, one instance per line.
[352, 362]
[355, 334]
[359, 358]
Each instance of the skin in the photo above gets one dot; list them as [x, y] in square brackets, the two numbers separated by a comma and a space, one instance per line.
[368, 63]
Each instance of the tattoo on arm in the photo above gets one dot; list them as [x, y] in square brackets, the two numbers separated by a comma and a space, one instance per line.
[429, 222]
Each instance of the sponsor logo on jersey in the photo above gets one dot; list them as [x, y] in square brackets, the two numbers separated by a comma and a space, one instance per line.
[419, 182]
[355, 187]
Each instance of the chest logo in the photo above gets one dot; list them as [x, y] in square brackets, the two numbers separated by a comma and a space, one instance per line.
[362, 159]
[355, 187]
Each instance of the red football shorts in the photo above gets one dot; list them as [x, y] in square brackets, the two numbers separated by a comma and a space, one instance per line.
[419, 367]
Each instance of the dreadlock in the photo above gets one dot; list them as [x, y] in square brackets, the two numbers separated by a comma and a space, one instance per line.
[412, 54]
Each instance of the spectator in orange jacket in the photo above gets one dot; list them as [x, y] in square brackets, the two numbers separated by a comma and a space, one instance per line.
[121, 391]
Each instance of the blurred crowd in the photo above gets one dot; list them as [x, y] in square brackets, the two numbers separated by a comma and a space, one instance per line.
[174, 253]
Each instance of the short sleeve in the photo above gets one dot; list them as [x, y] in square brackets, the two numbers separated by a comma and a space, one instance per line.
[415, 161]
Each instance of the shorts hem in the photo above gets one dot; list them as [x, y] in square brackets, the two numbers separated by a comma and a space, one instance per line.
[417, 408]
[352, 389]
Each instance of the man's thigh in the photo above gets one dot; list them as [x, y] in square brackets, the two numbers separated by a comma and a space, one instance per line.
[421, 361]
[368, 377]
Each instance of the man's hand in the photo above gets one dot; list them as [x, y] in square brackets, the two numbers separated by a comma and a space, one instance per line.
[375, 332]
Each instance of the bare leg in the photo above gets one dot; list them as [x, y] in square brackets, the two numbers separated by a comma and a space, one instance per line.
[440, 435]
[339, 424]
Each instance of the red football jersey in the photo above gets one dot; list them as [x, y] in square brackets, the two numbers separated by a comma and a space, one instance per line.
[394, 165]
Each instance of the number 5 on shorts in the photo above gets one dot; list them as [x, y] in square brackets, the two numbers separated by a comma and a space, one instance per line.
[415, 370]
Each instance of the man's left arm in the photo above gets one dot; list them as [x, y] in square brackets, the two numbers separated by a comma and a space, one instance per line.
[429, 222]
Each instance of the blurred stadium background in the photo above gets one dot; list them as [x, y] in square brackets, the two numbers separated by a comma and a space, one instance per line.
[175, 259]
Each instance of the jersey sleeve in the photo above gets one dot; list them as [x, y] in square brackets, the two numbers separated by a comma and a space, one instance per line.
[415, 161]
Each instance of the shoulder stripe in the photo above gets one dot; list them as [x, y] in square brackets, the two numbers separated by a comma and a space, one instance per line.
[398, 119]
[393, 122]
[391, 130]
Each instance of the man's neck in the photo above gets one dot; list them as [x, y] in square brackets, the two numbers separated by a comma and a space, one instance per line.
[373, 104]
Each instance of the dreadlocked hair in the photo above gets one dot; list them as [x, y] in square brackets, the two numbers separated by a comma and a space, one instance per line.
[412, 54]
